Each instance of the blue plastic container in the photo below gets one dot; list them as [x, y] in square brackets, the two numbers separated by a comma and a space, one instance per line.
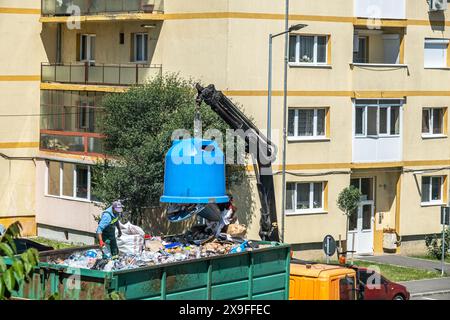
[194, 173]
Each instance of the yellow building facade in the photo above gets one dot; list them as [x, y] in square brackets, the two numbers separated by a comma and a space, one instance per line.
[368, 97]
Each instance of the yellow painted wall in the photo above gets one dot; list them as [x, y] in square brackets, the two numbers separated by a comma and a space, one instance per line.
[20, 54]
[28, 224]
[415, 219]
[310, 228]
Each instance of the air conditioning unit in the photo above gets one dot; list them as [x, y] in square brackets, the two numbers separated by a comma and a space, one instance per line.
[438, 5]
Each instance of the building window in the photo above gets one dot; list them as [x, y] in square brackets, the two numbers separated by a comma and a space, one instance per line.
[432, 190]
[361, 53]
[307, 123]
[72, 111]
[308, 49]
[53, 173]
[365, 186]
[304, 197]
[87, 47]
[436, 51]
[433, 121]
[140, 47]
[69, 180]
[377, 118]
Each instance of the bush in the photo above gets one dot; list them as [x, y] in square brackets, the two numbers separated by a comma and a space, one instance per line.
[434, 244]
[20, 268]
[138, 126]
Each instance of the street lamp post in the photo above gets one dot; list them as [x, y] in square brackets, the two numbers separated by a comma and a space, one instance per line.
[269, 91]
[269, 103]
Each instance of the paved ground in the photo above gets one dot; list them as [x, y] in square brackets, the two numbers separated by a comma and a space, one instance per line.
[429, 289]
[407, 262]
[428, 286]
[438, 296]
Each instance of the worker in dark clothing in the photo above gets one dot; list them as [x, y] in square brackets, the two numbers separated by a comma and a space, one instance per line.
[228, 214]
[106, 230]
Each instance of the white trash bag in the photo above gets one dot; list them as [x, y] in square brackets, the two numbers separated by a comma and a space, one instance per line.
[132, 239]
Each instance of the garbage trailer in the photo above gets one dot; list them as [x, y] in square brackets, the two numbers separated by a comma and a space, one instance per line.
[259, 274]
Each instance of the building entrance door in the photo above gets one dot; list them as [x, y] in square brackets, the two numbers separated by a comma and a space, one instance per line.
[361, 223]
[361, 226]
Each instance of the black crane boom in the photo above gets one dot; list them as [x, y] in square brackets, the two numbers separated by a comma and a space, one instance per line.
[263, 152]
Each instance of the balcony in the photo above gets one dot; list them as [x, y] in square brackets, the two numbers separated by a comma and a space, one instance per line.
[377, 130]
[70, 122]
[99, 7]
[378, 60]
[99, 74]
[380, 9]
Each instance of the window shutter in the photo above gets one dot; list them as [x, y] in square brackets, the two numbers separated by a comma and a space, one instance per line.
[78, 47]
[132, 57]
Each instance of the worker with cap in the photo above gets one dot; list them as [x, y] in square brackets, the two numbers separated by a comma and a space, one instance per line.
[106, 230]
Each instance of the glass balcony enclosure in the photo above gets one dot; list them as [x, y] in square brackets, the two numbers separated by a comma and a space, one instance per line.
[96, 7]
[377, 130]
[107, 74]
[69, 121]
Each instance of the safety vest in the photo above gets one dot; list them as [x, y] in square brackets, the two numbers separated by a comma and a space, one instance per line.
[114, 219]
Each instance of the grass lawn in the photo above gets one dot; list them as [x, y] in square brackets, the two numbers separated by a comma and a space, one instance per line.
[396, 273]
[54, 243]
[428, 257]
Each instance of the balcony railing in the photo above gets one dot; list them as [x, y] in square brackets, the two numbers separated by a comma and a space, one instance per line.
[105, 74]
[82, 143]
[96, 7]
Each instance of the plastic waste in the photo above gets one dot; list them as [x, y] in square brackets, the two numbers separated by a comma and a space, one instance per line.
[91, 253]
[109, 266]
[172, 245]
[106, 250]
[239, 248]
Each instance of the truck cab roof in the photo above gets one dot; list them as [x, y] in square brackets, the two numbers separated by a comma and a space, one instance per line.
[318, 270]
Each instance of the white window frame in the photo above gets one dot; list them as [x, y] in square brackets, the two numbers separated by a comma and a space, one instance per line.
[446, 50]
[61, 182]
[430, 133]
[360, 187]
[135, 35]
[311, 208]
[379, 106]
[433, 202]
[315, 136]
[297, 51]
[88, 47]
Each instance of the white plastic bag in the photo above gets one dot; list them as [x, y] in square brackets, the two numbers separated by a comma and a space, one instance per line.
[130, 244]
[131, 229]
[132, 239]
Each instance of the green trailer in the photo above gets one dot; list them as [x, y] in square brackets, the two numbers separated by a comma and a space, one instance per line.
[252, 275]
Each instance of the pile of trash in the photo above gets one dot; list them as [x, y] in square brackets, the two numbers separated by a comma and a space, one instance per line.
[168, 252]
[137, 250]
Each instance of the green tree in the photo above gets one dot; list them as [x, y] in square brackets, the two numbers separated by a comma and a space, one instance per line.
[347, 202]
[19, 268]
[138, 126]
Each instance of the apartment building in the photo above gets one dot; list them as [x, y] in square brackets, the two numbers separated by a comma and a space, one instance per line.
[368, 97]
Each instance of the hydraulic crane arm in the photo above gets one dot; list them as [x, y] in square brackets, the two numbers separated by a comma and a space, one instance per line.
[263, 152]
